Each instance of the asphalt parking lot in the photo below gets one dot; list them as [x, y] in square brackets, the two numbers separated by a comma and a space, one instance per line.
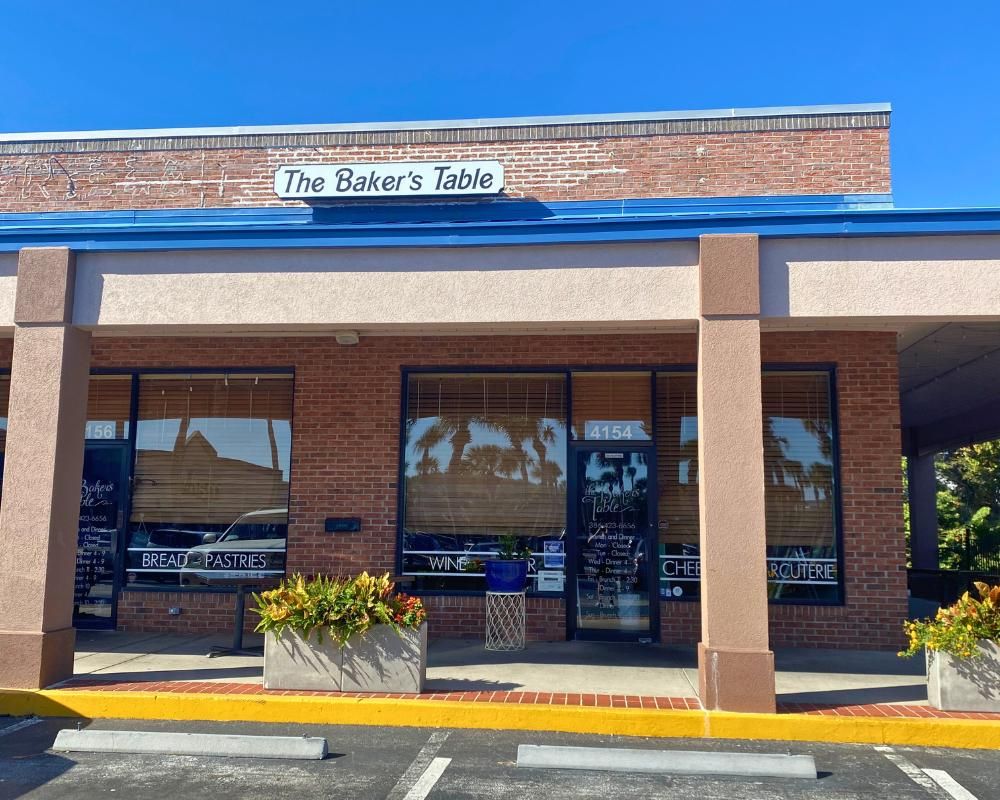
[416, 763]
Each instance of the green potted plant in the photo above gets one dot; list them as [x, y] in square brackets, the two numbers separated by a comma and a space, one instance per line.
[342, 634]
[474, 566]
[962, 643]
[508, 570]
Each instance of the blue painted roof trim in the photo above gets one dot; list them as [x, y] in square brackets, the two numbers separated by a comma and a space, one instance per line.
[508, 222]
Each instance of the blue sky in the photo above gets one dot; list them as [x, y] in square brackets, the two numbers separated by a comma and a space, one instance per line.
[70, 65]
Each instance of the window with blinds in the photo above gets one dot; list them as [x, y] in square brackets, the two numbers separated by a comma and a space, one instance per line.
[676, 438]
[211, 451]
[604, 401]
[799, 486]
[485, 457]
[799, 489]
[677, 456]
[109, 406]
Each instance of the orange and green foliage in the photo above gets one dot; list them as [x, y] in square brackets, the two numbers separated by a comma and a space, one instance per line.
[958, 629]
[342, 607]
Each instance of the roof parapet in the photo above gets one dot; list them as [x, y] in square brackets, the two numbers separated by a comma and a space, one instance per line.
[859, 115]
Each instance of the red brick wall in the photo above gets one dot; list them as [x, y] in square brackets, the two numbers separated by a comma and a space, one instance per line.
[677, 165]
[345, 461]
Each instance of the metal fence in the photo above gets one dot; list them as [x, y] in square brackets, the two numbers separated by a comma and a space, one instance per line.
[945, 586]
[970, 553]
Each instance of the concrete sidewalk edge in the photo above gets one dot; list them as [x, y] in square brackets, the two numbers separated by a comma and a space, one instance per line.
[927, 731]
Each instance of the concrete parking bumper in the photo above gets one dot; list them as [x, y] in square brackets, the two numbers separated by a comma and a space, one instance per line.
[309, 748]
[682, 762]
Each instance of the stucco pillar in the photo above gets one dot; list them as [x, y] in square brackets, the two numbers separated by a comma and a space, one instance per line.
[735, 665]
[42, 472]
[921, 484]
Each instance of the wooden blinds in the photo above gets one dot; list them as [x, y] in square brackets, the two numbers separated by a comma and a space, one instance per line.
[211, 447]
[611, 396]
[109, 405]
[677, 456]
[485, 454]
[798, 459]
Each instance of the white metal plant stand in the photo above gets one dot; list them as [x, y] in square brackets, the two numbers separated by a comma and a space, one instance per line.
[505, 621]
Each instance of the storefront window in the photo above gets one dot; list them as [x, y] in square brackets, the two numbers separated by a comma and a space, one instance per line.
[485, 456]
[799, 486]
[210, 497]
[677, 479]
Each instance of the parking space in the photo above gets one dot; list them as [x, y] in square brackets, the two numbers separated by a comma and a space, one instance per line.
[413, 763]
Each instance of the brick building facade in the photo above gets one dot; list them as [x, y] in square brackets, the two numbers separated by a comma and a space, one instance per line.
[334, 382]
[699, 315]
[818, 154]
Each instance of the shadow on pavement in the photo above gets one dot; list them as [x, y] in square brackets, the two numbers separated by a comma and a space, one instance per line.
[222, 673]
[24, 763]
[911, 693]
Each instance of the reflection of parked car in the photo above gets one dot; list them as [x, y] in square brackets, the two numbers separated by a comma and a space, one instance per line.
[157, 554]
[252, 547]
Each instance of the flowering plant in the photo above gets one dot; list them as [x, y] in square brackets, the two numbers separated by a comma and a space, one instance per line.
[343, 607]
[958, 629]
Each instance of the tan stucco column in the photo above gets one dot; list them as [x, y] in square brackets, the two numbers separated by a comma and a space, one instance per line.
[735, 666]
[42, 472]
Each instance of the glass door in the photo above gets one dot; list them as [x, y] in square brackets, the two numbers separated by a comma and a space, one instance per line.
[612, 530]
[103, 496]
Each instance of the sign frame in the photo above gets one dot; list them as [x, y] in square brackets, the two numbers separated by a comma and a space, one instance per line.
[389, 180]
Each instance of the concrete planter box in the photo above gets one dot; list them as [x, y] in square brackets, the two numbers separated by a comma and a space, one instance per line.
[379, 661]
[955, 684]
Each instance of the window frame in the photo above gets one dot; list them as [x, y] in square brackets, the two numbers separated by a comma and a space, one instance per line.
[829, 368]
[406, 372]
[838, 506]
[135, 374]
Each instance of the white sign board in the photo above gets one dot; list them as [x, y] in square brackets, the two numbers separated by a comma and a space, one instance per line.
[550, 581]
[399, 179]
[614, 429]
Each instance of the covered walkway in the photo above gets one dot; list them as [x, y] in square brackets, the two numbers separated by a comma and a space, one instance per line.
[550, 669]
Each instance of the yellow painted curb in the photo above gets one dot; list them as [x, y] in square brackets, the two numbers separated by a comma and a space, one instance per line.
[510, 716]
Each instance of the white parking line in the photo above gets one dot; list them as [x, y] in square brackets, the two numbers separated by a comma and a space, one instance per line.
[936, 781]
[18, 726]
[912, 771]
[419, 768]
[423, 786]
[949, 784]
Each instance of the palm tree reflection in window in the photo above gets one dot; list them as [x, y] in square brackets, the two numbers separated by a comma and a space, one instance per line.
[485, 457]
[799, 475]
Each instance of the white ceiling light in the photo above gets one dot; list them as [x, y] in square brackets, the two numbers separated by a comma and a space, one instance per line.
[347, 337]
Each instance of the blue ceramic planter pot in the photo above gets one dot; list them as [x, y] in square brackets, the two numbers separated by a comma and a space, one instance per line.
[506, 576]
